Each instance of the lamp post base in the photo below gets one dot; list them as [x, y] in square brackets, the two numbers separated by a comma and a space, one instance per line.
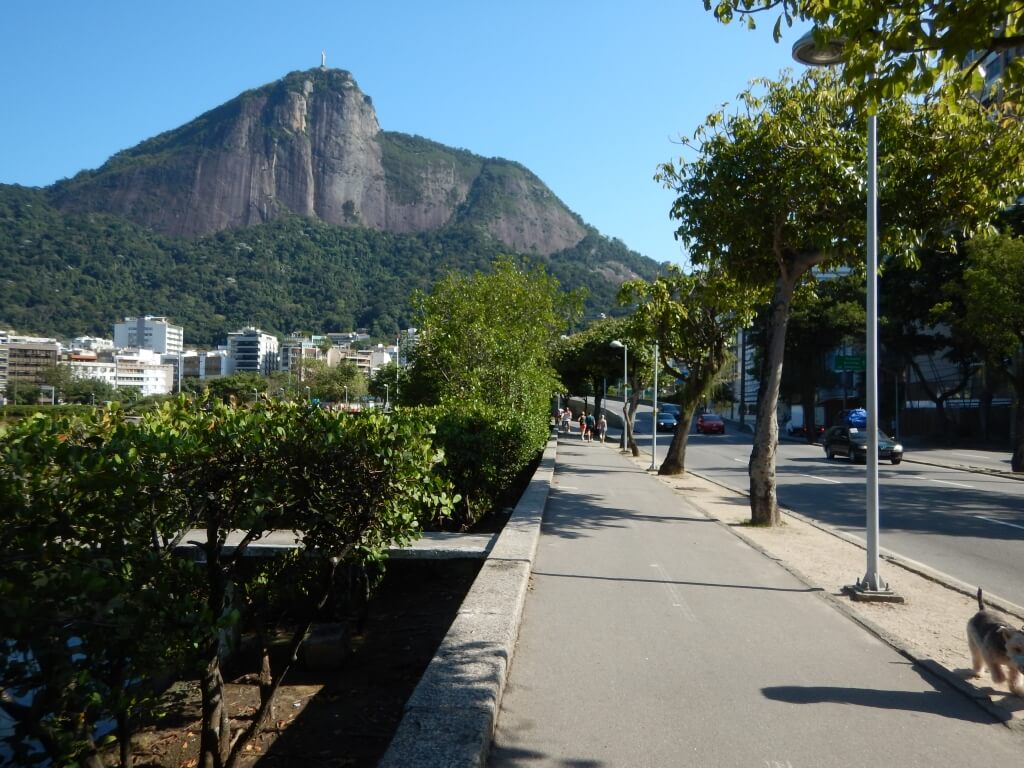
[862, 592]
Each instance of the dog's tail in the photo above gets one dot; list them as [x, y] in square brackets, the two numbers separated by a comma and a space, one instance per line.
[981, 604]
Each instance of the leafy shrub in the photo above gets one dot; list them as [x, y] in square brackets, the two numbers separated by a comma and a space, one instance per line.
[485, 451]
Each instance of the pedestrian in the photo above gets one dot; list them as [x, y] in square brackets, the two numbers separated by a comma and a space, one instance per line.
[583, 426]
[567, 419]
[590, 427]
[602, 427]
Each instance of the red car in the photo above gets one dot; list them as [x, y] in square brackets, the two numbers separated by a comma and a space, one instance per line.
[710, 424]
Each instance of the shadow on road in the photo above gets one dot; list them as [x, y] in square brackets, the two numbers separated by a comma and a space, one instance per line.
[936, 702]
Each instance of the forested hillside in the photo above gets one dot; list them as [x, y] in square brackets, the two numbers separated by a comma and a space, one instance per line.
[65, 275]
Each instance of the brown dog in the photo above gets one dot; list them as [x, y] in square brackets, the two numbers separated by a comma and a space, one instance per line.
[995, 644]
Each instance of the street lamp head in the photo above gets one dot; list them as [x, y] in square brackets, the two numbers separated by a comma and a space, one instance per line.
[807, 51]
[617, 345]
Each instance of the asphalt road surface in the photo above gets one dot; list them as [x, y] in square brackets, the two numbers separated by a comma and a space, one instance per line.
[969, 525]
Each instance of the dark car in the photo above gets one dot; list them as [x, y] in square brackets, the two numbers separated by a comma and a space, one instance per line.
[852, 442]
[667, 422]
[800, 430]
[710, 424]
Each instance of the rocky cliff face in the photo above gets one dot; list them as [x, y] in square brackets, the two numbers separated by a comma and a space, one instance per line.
[311, 144]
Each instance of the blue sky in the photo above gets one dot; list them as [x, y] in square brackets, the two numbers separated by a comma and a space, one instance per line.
[590, 96]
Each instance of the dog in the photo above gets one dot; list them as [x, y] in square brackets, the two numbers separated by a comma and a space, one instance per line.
[995, 644]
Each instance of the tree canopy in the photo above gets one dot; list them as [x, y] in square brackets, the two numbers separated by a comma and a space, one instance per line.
[993, 286]
[891, 48]
[777, 188]
[72, 274]
[694, 318]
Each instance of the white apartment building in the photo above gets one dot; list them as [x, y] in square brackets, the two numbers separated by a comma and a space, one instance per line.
[253, 351]
[149, 332]
[200, 364]
[92, 344]
[296, 350]
[141, 370]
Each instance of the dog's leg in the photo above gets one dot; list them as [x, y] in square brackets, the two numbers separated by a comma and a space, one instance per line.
[977, 660]
[996, 670]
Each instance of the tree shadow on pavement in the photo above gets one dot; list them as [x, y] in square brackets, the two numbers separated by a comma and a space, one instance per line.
[934, 702]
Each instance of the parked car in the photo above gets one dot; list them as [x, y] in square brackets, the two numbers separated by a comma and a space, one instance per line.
[667, 422]
[710, 423]
[800, 430]
[852, 443]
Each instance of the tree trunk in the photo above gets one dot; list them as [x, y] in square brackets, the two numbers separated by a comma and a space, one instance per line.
[675, 459]
[215, 737]
[215, 730]
[764, 508]
[634, 402]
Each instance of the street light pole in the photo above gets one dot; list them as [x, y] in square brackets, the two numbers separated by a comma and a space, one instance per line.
[871, 587]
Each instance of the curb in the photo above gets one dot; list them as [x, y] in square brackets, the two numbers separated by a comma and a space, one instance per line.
[450, 717]
[933, 667]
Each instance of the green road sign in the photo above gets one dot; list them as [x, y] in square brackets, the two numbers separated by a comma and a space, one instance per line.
[849, 363]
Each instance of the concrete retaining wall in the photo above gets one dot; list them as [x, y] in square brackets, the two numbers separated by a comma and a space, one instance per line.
[450, 718]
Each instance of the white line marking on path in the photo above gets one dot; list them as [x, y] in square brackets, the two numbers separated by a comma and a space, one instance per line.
[947, 482]
[677, 599]
[741, 461]
[823, 479]
[999, 522]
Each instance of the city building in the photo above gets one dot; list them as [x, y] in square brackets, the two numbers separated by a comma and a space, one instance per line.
[297, 350]
[92, 343]
[26, 358]
[253, 351]
[138, 369]
[203, 364]
[149, 332]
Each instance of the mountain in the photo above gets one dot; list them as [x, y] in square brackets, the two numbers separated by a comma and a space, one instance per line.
[310, 144]
[286, 208]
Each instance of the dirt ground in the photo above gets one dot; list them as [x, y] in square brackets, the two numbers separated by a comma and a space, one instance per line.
[345, 717]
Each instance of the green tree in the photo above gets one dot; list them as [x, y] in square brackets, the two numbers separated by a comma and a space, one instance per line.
[923, 311]
[695, 319]
[489, 338]
[776, 189]
[892, 48]
[334, 383]
[241, 387]
[352, 485]
[586, 360]
[388, 382]
[94, 606]
[483, 357]
[826, 311]
[993, 286]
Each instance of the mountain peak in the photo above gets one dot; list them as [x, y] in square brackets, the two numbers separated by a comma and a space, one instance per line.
[310, 144]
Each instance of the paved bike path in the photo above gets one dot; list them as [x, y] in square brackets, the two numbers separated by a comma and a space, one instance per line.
[655, 637]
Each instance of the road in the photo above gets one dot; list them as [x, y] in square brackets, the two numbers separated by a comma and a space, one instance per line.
[969, 525]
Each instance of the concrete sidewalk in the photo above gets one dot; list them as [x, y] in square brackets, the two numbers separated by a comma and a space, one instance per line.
[654, 636]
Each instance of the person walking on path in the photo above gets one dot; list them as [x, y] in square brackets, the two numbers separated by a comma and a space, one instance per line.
[583, 425]
[602, 427]
[652, 636]
[590, 427]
